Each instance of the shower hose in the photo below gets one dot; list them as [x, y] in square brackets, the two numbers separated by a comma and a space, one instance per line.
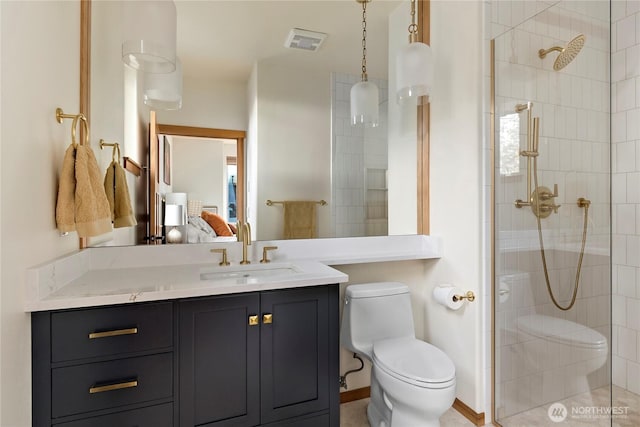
[583, 203]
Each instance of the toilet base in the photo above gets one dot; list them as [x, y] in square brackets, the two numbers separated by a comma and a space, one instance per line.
[378, 412]
[408, 405]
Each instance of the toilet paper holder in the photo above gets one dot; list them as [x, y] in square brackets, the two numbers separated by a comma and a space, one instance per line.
[470, 296]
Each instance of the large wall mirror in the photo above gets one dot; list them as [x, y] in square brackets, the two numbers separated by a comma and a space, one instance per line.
[289, 109]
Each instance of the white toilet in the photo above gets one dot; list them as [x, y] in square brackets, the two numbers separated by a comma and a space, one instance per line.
[412, 382]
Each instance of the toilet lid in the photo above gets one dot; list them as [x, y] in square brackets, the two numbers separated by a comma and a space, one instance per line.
[561, 331]
[414, 361]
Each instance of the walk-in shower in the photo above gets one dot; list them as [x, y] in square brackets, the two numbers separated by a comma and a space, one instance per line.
[552, 259]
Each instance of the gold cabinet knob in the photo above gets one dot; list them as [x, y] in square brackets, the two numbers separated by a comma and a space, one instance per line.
[267, 318]
[253, 320]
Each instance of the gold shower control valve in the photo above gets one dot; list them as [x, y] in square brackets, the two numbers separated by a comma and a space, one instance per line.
[542, 201]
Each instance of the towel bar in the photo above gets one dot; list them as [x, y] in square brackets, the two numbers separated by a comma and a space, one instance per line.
[280, 202]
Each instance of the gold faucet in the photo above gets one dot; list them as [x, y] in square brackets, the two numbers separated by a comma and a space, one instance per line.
[244, 235]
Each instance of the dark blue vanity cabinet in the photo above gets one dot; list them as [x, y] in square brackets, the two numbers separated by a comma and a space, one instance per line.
[104, 366]
[260, 358]
[268, 358]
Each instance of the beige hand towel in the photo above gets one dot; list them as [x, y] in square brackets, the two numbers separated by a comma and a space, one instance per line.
[115, 186]
[92, 214]
[299, 220]
[65, 205]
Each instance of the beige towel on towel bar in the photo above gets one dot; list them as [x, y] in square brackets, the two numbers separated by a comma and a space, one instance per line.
[299, 220]
[66, 205]
[115, 186]
[82, 205]
[92, 207]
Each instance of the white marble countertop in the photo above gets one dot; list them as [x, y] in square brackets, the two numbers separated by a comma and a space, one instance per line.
[118, 275]
[138, 284]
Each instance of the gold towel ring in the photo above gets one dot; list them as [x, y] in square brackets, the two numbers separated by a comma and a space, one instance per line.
[74, 125]
[60, 116]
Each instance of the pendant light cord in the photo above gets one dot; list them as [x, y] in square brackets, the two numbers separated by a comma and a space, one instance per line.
[413, 28]
[364, 41]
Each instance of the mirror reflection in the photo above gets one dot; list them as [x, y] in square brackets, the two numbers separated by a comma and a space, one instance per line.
[291, 104]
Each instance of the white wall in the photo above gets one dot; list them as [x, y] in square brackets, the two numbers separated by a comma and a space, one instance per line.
[294, 162]
[199, 169]
[39, 73]
[455, 189]
[211, 104]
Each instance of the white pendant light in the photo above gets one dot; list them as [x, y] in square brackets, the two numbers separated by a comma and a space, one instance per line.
[414, 66]
[364, 94]
[149, 35]
[164, 91]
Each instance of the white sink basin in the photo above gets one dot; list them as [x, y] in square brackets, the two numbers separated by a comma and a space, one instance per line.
[245, 274]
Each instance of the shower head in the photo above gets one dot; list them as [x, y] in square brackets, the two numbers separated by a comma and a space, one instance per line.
[567, 54]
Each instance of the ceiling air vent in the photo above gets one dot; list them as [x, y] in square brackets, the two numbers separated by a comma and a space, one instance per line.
[304, 39]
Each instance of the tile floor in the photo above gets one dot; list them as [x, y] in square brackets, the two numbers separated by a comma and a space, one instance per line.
[354, 414]
[599, 399]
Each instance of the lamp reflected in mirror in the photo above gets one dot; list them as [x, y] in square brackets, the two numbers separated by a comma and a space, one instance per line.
[174, 223]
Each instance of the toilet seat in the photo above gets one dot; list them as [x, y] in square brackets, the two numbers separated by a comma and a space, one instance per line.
[414, 362]
[561, 331]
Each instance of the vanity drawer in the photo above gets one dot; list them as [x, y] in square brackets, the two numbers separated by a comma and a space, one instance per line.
[94, 386]
[107, 331]
[151, 416]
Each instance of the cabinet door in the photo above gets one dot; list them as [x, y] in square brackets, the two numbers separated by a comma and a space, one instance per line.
[295, 353]
[219, 361]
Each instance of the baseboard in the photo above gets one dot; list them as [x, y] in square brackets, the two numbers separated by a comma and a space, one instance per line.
[468, 413]
[355, 394]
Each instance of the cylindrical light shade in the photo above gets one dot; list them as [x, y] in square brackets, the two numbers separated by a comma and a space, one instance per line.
[364, 104]
[414, 71]
[174, 215]
[149, 35]
[164, 91]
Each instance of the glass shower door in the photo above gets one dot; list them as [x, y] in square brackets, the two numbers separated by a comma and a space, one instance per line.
[552, 334]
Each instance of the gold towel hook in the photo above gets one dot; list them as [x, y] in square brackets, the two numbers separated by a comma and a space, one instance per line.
[116, 148]
[60, 116]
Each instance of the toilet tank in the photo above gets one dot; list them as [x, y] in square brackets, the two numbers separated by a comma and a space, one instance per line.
[375, 311]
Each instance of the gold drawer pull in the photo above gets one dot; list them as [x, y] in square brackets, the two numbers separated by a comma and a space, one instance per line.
[114, 333]
[267, 318]
[111, 387]
[253, 320]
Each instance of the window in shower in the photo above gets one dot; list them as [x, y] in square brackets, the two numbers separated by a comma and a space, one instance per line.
[509, 144]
